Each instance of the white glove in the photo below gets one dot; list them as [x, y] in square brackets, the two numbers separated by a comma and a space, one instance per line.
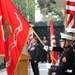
[50, 48]
[45, 48]
[48, 65]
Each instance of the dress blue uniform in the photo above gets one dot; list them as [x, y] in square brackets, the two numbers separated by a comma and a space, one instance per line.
[67, 58]
[66, 62]
[73, 46]
[71, 31]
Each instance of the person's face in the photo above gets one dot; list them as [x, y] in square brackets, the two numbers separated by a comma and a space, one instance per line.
[44, 38]
[71, 34]
[33, 40]
[73, 37]
[67, 43]
[62, 44]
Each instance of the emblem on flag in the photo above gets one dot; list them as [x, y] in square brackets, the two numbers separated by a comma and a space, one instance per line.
[7, 30]
[14, 34]
[13, 44]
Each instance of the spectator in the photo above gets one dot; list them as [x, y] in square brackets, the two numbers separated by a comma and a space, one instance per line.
[34, 53]
[45, 40]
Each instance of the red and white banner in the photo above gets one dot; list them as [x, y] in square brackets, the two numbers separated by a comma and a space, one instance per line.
[53, 43]
[15, 33]
[30, 39]
[70, 11]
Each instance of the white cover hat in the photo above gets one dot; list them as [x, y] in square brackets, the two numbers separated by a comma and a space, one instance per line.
[70, 30]
[65, 36]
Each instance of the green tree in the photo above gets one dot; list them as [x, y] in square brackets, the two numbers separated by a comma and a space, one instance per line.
[27, 9]
[50, 6]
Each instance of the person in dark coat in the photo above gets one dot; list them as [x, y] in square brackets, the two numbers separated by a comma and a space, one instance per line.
[46, 53]
[71, 31]
[74, 62]
[45, 40]
[67, 58]
[34, 53]
[73, 46]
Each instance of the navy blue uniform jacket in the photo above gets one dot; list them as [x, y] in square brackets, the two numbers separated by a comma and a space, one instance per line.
[35, 53]
[66, 62]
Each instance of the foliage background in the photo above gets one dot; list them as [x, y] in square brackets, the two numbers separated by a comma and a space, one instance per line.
[27, 8]
[48, 8]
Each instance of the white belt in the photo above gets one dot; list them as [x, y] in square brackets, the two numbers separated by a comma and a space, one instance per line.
[69, 70]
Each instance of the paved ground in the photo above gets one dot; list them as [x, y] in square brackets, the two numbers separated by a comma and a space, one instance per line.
[42, 67]
[3, 72]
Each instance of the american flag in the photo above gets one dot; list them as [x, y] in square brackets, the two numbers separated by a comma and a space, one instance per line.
[70, 11]
[30, 39]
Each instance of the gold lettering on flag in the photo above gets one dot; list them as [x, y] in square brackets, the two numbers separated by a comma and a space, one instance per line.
[14, 43]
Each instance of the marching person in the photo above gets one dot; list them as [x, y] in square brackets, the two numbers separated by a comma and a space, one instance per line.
[34, 53]
[67, 59]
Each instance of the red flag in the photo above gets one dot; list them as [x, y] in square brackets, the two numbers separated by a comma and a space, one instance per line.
[2, 52]
[70, 11]
[53, 42]
[16, 30]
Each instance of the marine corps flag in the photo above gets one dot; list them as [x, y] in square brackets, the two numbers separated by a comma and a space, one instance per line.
[15, 32]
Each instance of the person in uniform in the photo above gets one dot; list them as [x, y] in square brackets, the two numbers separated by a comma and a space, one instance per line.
[34, 53]
[71, 31]
[73, 46]
[67, 58]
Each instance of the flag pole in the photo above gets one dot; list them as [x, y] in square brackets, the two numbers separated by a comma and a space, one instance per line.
[66, 17]
[38, 37]
[42, 43]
